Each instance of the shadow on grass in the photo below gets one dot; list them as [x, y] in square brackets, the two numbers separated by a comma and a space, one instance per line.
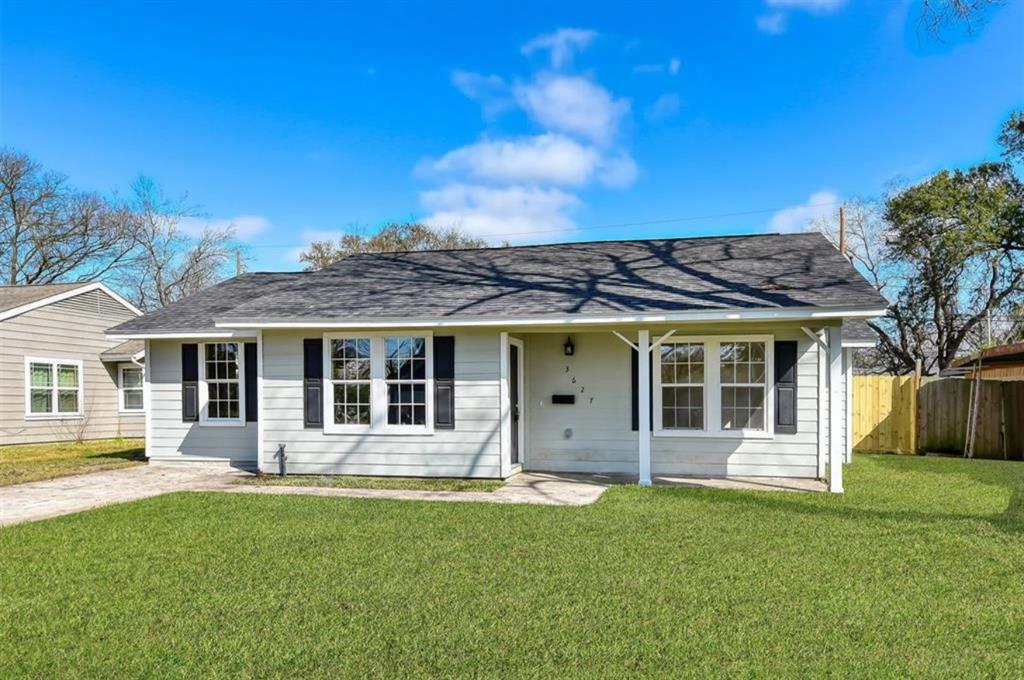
[1000, 474]
[135, 454]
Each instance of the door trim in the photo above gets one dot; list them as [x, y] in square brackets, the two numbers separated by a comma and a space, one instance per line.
[521, 385]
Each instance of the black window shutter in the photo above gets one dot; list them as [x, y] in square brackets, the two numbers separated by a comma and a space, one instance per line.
[189, 382]
[634, 379]
[785, 386]
[251, 403]
[444, 383]
[313, 382]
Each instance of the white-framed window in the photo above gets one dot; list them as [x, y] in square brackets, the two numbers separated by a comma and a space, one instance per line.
[379, 382]
[221, 388]
[130, 389]
[714, 386]
[53, 388]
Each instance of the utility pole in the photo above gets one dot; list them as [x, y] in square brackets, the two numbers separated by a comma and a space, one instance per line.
[238, 262]
[842, 231]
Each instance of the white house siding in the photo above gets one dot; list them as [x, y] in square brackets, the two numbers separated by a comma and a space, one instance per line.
[72, 328]
[174, 440]
[472, 449]
[602, 439]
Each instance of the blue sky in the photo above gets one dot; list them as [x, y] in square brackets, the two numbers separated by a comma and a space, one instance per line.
[520, 122]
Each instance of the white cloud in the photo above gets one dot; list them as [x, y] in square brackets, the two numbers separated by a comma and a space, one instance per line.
[491, 92]
[245, 226]
[674, 66]
[618, 171]
[798, 217]
[514, 213]
[544, 158]
[773, 23]
[664, 107]
[812, 6]
[573, 105]
[562, 44]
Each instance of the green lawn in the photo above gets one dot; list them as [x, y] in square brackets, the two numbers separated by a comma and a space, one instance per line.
[394, 483]
[917, 570]
[32, 462]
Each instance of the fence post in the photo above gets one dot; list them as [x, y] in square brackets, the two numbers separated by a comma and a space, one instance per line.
[916, 422]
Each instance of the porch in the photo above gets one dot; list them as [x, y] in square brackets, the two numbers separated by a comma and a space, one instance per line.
[572, 399]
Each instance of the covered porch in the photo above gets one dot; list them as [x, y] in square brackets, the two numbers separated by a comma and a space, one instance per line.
[572, 400]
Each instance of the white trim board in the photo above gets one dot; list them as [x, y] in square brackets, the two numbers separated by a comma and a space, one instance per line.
[74, 292]
[762, 314]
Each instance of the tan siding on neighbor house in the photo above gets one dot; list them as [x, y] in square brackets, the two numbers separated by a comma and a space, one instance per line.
[68, 329]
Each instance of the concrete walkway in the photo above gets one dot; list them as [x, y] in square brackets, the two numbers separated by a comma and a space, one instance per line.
[531, 488]
[66, 495]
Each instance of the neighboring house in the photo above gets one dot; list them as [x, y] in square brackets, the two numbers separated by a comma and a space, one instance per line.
[1003, 362]
[647, 358]
[61, 377]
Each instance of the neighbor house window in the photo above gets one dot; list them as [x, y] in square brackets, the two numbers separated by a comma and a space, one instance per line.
[54, 387]
[378, 382]
[713, 386]
[743, 384]
[222, 371]
[350, 380]
[682, 386]
[130, 388]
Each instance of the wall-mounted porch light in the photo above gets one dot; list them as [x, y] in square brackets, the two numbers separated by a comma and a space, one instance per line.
[569, 347]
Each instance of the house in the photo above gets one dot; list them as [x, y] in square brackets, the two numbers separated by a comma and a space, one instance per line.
[1003, 362]
[61, 377]
[703, 356]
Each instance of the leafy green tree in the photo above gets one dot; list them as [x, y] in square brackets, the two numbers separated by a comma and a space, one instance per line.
[392, 238]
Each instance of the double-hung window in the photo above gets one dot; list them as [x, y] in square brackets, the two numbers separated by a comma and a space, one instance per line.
[713, 386]
[130, 388]
[53, 388]
[222, 388]
[378, 382]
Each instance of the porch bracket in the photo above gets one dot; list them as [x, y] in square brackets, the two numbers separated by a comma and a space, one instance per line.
[626, 340]
[815, 337]
[661, 340]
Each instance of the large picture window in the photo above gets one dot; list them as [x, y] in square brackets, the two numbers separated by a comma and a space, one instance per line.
[743, 375]
[222, 380]
[682, 386]
[378, 382]
[710, 386]
[53, 388]
[350, 380]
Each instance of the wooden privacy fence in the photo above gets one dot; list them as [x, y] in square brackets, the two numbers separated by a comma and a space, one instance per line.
[888, 415]
[1000, 423]
[884, 413]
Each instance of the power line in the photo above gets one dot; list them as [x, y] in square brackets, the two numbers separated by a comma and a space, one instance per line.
[618, 225]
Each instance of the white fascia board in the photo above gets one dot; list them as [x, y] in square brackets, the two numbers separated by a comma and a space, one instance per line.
[770, 314]
[73, 292]
[857, 344]
[172, 335]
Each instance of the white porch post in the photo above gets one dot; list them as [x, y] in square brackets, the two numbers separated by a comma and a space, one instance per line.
[644, 402]
[822, 410]
[259, 400]
[835, 409]
[505, 407]
[848, 380]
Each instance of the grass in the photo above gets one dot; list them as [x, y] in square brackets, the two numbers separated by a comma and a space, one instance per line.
[394, 483]
[917, 570]
[33, 462]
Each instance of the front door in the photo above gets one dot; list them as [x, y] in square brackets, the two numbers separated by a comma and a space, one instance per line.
[513, 392]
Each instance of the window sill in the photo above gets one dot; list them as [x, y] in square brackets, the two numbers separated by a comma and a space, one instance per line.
[222, 423]
[131, 412]
[53, 416]
[381, 431]
[694, 434]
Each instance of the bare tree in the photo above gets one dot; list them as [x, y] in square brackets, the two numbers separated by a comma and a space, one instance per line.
[50, 232]
[392, 238]
[168, 263]
[937, 15]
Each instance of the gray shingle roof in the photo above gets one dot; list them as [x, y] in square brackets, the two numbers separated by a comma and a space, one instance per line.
[857, 330]
[716, 273]
[123, 352]
[16, 296]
